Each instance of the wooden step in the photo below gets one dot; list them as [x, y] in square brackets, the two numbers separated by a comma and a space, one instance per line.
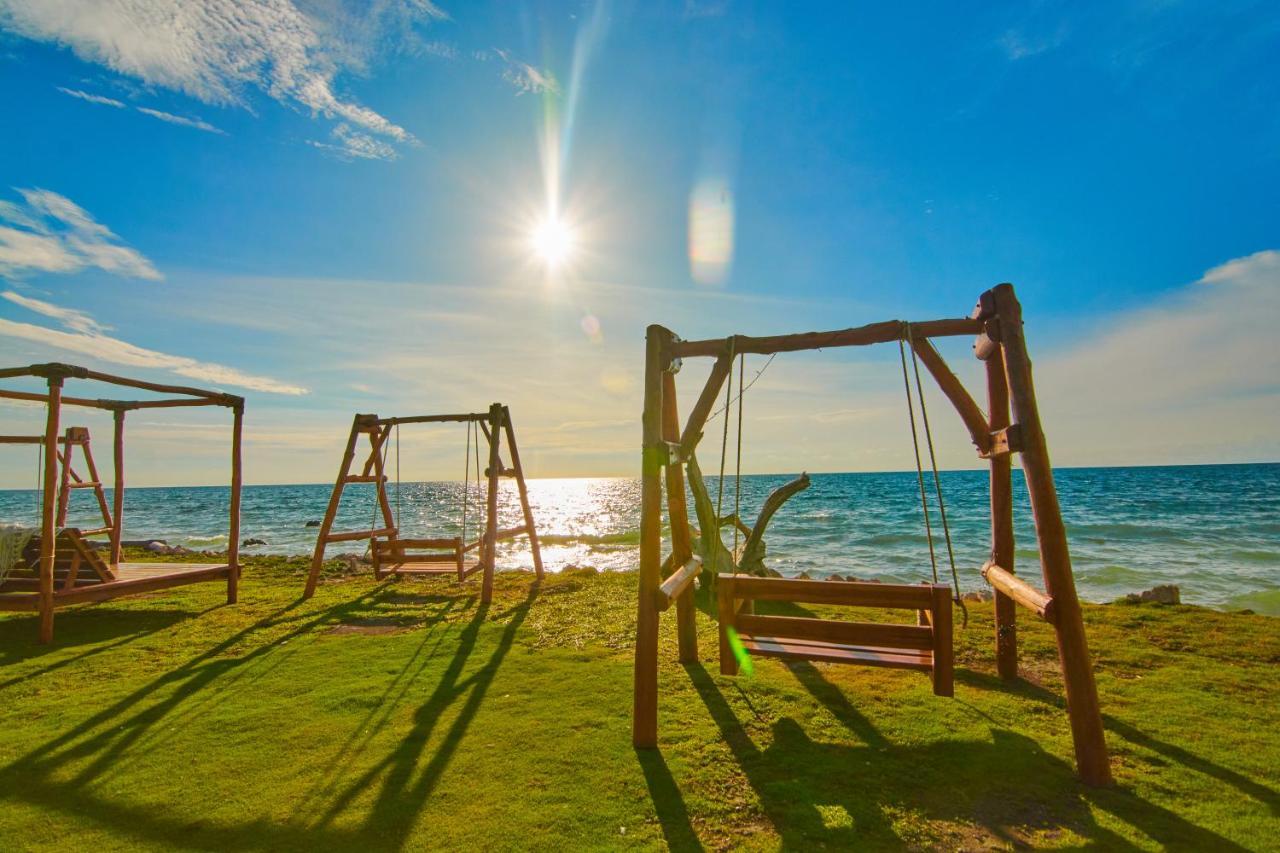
[86, 484]
[364, 478]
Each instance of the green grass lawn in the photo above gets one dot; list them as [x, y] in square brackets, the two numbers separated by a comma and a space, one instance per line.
[403, 715]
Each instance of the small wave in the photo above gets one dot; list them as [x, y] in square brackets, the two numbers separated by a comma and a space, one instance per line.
[205, 540]
[892, 539]
[1255, 556]
[1265, 601]
[1114, 575]
[626, 537]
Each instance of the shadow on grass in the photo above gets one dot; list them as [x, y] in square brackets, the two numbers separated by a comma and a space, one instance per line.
[668, 802]
[103, 630]
[879, 795]
[60, 775]
[404, 781]
[1172, 752]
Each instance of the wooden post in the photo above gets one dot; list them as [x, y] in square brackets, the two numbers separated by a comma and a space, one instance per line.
[490, 555]
[48, 526]
[64, 479]
[943, 654]
[233, 526]
[376, 441]
[532, 532]
[1002, 544]
[1055, 558]
[644, 722]
[317, 558]
[678, 515]
[117, 489]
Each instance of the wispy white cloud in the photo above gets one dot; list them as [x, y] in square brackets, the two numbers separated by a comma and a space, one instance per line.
[526, 78]
[215, 50]
[349, 143]
[198, 124]
[1189, 378]
[73, 319]
[48, 232]
[92, 98]
[705, 9]
[1020, 44]
[86, 338]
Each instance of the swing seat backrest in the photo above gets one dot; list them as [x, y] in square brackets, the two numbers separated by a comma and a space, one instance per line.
[926, 646]
[395, 552]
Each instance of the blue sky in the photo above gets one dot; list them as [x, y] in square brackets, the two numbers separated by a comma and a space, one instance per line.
[328, 210]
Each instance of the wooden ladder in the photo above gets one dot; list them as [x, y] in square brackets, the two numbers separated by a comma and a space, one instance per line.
[71, 479]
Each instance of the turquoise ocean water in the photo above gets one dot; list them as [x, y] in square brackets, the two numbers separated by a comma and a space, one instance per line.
[1212, 529]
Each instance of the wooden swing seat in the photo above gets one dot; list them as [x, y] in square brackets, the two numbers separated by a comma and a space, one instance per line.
[440, 556]
[925, 647]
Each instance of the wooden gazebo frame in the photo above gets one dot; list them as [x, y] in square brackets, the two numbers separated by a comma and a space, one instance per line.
[997, 324]
[394, 554]
[111, 578]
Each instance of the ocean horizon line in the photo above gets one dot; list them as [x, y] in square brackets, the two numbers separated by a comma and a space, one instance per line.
[709, 475]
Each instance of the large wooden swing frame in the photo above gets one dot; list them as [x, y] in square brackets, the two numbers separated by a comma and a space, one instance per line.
[997, 324]
[394, 555]
[111, 578]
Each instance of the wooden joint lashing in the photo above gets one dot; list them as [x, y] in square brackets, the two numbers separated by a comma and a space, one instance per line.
[502, 472]
[988, 340]
[1003, 442]
[59, 371]
[1005, 581]
[671, 362]
[986, 307]
[663, 453]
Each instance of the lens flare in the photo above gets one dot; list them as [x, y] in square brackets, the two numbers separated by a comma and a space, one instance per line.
[710, 232]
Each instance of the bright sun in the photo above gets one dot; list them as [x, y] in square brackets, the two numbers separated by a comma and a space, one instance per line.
[553, 241]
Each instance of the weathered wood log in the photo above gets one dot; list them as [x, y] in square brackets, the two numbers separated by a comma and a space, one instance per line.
[489, 556]
[875, 333]
[331, 512]
[678, 513]
[48, 518]
[1002, 542]
[644, 714]
[974, 420]
[677, 584]
[233, 521]
[1020, 591]
[1055, 557]
[117, 487]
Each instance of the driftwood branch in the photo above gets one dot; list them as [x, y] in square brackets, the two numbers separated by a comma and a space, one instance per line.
[716, 558]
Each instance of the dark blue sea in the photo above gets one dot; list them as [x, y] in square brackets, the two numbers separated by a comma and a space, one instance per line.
[1213, 529]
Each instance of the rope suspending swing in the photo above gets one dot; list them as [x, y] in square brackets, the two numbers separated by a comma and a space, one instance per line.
[906, 337]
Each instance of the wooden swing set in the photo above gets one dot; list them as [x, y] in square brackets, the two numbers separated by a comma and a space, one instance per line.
[66, 568]
[926, 646]
[393, 555]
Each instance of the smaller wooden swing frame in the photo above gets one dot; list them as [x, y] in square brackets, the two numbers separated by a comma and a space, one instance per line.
[997, 324]
[396, 556]
[111, 578]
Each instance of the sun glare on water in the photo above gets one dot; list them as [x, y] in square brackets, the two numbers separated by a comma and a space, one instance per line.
[553, 242]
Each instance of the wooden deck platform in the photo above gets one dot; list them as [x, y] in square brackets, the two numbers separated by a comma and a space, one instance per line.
[131, 578]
